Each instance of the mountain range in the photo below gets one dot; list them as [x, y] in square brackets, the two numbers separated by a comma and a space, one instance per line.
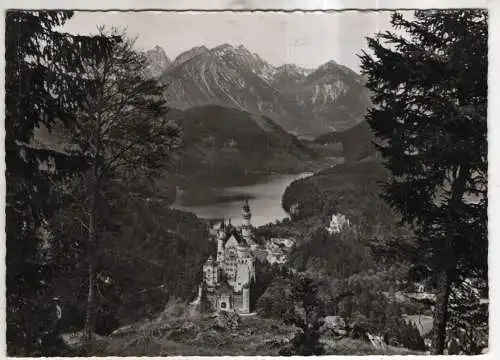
[304, 102]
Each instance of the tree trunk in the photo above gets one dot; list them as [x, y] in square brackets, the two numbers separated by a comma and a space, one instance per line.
[448, 263]
[440, 313]
[89, 315]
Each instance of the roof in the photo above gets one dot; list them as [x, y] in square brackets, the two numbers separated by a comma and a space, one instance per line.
[210, 260]
[239, 239]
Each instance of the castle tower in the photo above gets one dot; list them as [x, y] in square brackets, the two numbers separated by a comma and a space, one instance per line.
[199, 300]
[246, 228]
[251, 268]
[210, 272]
[200, 291]
[246, 214]
[245, 306]
[221, 236]
[203, 303]
[242, 251]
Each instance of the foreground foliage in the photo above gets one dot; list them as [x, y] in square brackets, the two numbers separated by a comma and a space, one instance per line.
[307, 318]
[429, 115]
[43, 87]
[122, 132]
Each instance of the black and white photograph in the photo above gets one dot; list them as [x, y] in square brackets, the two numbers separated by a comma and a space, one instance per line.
[235, 182]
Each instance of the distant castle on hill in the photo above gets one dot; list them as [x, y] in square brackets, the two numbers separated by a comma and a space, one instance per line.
[227, 280]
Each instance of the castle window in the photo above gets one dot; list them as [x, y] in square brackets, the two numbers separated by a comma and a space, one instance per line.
[222, 305]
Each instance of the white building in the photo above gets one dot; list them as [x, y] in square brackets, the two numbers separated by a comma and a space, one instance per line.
[338, 223]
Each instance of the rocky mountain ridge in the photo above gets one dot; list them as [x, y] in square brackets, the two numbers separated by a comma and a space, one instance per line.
[158, 61]
[305, 102]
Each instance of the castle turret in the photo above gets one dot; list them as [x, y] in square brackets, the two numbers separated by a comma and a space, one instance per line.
[246, 214]
[221, 236]
[210, 272]
[246, 228]
[245, 305]
[245, 273]
[200, 291]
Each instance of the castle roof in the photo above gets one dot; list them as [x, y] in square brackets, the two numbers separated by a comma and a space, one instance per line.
[210, 260]
[239, 239]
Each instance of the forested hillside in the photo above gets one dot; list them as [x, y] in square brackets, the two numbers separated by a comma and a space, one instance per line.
[148, 254]
[350, 188]
[388, 227]
[226, 147]
[354, 282]
[221, 139]
[356, 142]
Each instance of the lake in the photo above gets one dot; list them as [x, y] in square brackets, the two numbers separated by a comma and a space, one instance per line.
[264, 198]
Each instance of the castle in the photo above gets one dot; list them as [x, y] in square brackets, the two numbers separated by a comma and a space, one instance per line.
[227, 280]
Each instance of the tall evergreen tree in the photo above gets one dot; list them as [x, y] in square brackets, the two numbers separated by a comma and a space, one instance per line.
[308, 318]
[43, 87]
[429, 115]
[125, 136]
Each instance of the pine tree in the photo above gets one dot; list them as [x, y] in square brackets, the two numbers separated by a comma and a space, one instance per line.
[43, 86]
[429, 117]
[468, 316]
[308, 319]
[123, 133]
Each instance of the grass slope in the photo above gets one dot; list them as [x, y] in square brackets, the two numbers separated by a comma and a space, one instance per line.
[256, 336]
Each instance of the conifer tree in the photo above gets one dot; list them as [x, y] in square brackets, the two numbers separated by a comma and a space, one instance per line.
[123, 133]
[43, 85]
[429, 116]
[308, 319]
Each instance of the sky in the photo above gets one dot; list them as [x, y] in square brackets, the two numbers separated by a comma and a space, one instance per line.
[307, 39]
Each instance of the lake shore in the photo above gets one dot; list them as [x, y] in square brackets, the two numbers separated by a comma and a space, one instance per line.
[264, 195]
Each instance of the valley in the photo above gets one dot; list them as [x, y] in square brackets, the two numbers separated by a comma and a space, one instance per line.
[290, 183]
[224, 147]
[244, 119]
[293, 143]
